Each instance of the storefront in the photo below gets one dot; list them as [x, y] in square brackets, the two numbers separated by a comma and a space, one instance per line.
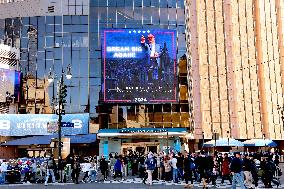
[141, 140]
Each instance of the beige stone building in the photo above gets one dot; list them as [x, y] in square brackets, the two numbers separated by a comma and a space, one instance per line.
[237, 64]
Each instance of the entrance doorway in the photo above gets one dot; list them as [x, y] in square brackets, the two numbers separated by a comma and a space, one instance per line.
[152, 149]
[140, 147]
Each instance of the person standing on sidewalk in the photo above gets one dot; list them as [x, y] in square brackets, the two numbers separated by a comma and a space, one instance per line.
[247, 166]
[104, 167]
[150, 164]
[51, 165]
[236, 170]
[189, 167]
[173, 163]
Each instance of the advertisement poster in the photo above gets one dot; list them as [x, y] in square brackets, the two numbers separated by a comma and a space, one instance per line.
[38, 124]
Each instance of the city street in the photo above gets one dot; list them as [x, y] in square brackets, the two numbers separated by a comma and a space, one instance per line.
[127, 184]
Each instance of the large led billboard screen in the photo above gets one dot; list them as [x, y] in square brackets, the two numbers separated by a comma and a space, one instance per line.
[139, 66]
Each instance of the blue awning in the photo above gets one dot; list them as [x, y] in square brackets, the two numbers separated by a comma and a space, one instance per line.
[46, 139]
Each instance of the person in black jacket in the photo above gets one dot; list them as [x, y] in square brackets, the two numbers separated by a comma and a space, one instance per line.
[188, 167]
[203, 167]
[104, 167]
[269, 170]
[236, 169]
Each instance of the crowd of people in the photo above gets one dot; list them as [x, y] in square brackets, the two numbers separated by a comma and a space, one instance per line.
[247, 169]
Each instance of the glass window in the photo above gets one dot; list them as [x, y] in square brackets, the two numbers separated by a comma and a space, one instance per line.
[58, 28]
[49, 41]
[180, 3]
[40, 43]
[172, 3]
[138, 3]
[84, 19]
[49, 28]
[24, 42]
[41, 28]
[84, 72]
[172, 16]
[155, 15]
[76, 19]
[84, 53]
[58, 20]
[66, 40]
[40, 69]
[33, 21]
[155, 3]
[164, 4]
[41, 55]
[146, 3]
[57, 53]
[26, 21]
[67, 28]
[84, 94]
[112, 3]
[49, 20]
[180, 16]
[49, 55]
[147, 16]
[164, 16]
[75, 54]
[120, 3]
[66, 19]
[25, 31]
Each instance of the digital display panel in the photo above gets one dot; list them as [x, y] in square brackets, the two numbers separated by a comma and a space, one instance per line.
[7, 83]
[139, 66]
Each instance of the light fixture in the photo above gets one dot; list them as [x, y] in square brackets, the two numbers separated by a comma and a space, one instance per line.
[50, 77]
[69, 74]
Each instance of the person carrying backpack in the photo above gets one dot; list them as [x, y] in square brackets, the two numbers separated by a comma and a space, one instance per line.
[189, 167]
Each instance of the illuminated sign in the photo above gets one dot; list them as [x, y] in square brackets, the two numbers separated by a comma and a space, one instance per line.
[139, 66]
[40, 124]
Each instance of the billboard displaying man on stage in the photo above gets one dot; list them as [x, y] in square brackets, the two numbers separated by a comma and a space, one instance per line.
[139, 66]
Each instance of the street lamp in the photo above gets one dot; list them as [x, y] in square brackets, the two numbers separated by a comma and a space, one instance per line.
[264, 142]
[61, 95]
[281, 109]
[202, 140]
[228, 135]
[215, 140]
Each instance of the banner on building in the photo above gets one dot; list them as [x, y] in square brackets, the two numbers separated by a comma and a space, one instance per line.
[37, 124]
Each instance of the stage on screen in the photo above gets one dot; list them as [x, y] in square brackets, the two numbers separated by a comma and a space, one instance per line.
[139, 66]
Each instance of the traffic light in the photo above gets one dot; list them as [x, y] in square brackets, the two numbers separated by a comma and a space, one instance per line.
[63, 93]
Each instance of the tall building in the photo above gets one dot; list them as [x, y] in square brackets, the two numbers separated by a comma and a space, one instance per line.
[237, 58]
[54, 34]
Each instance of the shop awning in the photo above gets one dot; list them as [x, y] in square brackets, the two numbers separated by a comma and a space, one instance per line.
[46, 139]
[223, 142]
[260, 143]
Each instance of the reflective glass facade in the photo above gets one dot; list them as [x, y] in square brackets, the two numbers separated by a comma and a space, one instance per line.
[138, 14]
[57, 42]
[53, 42]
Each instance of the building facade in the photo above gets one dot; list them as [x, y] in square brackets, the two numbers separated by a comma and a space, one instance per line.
[237, 62]
[54, 34]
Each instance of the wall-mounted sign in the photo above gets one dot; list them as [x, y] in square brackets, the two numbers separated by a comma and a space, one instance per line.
[37, 124]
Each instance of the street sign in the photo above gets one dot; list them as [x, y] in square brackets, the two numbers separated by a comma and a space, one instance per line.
[67, 124]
